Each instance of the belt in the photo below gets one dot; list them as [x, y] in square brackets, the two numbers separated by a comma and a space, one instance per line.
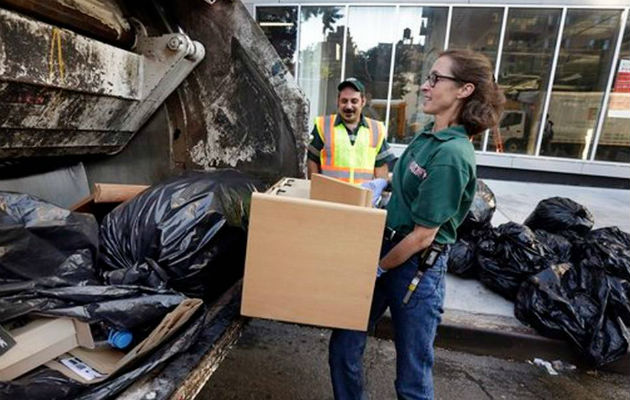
[393, 236]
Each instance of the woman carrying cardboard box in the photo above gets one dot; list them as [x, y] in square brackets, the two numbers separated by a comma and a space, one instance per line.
[432, 189]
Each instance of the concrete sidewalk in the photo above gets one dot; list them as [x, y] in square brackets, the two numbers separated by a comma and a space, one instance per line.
[480, 321]
[516, 200]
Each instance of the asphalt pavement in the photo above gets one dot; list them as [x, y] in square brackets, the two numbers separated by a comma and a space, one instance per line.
[279, 361]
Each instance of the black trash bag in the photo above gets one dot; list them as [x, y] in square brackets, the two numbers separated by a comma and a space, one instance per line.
[538, 297]
[188, 233]
[610, 234]
[45, 243]
[562, 216]
[572, 302]
[606, 248]
[559, 245]
[41, 383]
[510, 255]
[122, 307]
[462, 260]
[619, 301]
[481, 211]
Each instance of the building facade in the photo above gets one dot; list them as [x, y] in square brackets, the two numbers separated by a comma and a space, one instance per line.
[564, 67]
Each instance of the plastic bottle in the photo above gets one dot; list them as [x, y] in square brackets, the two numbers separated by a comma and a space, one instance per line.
[105, 337]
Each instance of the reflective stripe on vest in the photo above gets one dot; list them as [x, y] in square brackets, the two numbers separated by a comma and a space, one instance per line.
[340, 159]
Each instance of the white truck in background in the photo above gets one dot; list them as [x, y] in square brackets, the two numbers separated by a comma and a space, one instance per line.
[573, 117]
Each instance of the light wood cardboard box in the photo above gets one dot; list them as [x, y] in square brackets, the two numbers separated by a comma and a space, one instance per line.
[40, 341]
[312, 252]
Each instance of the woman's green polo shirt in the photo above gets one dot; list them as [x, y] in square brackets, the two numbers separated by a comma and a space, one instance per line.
[434, 183]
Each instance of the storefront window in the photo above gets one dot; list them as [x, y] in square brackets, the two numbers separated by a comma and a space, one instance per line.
[477, 29]
[419, 38]
[586, 52]
[526, 60]
[614, 141]
[280, 26]
[369, 54]
[418, 33]
[321, 44]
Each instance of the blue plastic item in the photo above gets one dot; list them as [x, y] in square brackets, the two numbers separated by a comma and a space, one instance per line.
[119, 339]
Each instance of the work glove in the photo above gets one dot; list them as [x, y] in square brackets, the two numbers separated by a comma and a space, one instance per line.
[376, 186]
[379, 271]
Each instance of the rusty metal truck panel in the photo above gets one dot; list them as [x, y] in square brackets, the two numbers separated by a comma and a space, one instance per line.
[63, 93]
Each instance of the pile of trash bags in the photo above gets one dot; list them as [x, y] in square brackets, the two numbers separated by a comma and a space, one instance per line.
[182, 238]
[567, 280]
[581, 304]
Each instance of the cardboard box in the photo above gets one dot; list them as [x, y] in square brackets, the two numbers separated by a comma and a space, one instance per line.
[40, 341]
[312, 261]
[105, 197]
[331, 189]
[95, 365]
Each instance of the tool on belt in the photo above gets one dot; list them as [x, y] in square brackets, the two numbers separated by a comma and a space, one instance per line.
[426, 260]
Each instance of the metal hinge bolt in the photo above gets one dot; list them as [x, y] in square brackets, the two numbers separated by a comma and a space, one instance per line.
[175, 43]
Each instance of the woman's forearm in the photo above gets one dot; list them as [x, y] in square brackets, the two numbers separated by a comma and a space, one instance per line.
[416, 241]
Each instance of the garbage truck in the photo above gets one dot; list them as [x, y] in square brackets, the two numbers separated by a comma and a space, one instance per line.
[133, 92]
[164, 86]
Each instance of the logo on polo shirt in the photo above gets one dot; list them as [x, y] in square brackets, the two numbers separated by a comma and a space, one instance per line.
[417, 170]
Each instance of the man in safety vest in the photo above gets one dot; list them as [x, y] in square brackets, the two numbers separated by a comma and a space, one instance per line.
[347, 145]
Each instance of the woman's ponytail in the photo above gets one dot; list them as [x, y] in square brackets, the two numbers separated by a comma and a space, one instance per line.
[482, 109]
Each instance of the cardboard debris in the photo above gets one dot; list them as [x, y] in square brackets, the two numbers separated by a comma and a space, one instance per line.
[40, 341]
[95, 365]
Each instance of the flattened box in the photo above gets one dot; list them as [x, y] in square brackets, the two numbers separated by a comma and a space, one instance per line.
[311, 261]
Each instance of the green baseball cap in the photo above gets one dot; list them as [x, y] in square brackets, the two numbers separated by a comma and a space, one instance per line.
[353, 83]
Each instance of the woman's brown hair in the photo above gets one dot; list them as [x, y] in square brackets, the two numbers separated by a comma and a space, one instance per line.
[482, 109]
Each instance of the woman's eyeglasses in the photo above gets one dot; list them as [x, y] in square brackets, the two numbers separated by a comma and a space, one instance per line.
[434, 78]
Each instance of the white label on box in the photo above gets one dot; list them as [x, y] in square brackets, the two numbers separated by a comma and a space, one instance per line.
[6, 340]
[80, 368]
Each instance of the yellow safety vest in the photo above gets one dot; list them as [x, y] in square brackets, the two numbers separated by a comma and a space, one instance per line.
[342, 160]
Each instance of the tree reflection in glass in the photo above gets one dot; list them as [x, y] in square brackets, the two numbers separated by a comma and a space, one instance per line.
[369, 52]
[419, 36]
[280, 26]
[477, 29]
[321, 44]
